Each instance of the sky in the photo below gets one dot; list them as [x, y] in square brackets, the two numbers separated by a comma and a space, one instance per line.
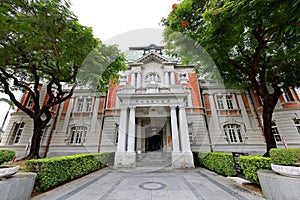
[113, 18]
[126, 23]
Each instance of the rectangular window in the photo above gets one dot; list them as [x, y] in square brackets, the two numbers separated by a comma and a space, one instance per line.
[220, 102]
[275, 132]
[80, 105]
[117, 134]
[297, 124]
[18, 132]
[233, 133]
[191, 135]
[89, 104]
[287, 95]
[78, 134]
[30, 102]
[229, 101]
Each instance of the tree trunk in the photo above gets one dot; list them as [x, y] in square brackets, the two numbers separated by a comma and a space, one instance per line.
[269, 104]
[39, 125]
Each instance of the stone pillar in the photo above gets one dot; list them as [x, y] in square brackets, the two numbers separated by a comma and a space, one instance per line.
[123, 158]
[167, 80]
[184, 132]
[133, 79]
[122, 130]
[95, 115]
[183, 159]
[67, 117]
[139, 79]
[172, 78]
[175, 139]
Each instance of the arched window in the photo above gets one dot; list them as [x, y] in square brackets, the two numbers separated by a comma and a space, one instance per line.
[78, 134]
[233, 133]
[152, 78]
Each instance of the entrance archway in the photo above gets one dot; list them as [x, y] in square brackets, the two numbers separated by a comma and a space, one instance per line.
[154, 139]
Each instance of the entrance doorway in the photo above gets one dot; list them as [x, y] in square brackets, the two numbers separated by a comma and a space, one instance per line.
[154, 138]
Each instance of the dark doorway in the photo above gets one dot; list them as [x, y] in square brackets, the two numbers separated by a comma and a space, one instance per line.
[154, 139]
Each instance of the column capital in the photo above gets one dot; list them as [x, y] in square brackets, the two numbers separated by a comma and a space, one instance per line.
[132, 108]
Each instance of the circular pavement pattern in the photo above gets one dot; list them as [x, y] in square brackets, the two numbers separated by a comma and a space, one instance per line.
[152, 186]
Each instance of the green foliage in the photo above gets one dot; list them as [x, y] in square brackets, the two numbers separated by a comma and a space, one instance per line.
[43, 43]
[287, 156]
[6, 156]
[251, 164]
[244, 38]
[253, 44]
[54, 171]
[221, 163]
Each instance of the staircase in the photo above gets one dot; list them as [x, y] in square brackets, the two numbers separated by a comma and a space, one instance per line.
[154, 159]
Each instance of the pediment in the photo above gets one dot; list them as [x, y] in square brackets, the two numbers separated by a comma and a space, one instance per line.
[152, 56]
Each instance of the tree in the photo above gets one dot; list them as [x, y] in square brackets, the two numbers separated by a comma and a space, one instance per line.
[42, 42]
[253, 44]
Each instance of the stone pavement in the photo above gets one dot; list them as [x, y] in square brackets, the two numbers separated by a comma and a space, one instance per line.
[144, 184]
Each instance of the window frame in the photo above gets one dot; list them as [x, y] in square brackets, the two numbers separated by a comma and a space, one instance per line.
[77, 135]
[17, 132]
[275, 132]
[233, 133]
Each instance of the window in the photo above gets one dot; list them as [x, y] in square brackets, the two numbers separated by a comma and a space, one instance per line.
[275, 132]
[17, 133]
[191, 135]
[80, 105]
[233, 133]
[152, 78]
[229, 101]
[183, 77]
[287, 95]
[88, 103]
[117, 134]
[186, 102]
[78, 134]
[220, 102]
[297, 124]
[30, 102]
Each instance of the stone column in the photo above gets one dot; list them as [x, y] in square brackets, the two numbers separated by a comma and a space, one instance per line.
[172, 78]
[139, 79]
[95, 115]
[184, 132]
[122, 130]
[175, 139]
[133, 79]
[131, 130]
[67, 117]
[167, 81]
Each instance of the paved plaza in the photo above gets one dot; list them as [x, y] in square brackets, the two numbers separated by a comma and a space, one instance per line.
[147, 184]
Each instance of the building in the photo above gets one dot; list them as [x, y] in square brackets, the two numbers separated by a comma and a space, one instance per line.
[158, 107]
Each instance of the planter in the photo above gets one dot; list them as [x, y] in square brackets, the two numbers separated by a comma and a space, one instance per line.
[19, 186]
[277, 187]
[8, 171]
[292, 171]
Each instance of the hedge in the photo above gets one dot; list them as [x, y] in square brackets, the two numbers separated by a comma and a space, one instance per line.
[6, 156]
[251, 164]
[219, 162]
[287, 156]
[57, 170]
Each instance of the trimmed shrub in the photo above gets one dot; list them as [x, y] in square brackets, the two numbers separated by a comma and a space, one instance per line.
[221, 163]
[6, 156]
[251, 164]
[57, 170]
[287, 156]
